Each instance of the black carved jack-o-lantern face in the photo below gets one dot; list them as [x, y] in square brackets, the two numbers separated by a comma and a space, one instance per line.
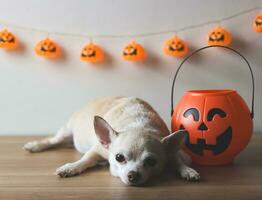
[222, 140]
[92, 53]
[48, 47]
[133, 52]
[219, 36]
[7, 40]
[176, 46]
[130, 51]
[216, 36]
[88, 52]
[259, 21]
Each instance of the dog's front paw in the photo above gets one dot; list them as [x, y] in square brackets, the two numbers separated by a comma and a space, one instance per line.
[189, 174]
[33, 146]
[67, 170]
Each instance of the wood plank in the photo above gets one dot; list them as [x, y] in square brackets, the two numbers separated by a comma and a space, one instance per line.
[31, 176]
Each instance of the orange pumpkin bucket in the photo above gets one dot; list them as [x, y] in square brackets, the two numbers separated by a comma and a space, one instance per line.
[218, 122]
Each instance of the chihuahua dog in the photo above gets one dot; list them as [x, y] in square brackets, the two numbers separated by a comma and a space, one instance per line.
[128, 133]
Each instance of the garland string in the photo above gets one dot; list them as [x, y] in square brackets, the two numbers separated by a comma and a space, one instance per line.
[217, 21]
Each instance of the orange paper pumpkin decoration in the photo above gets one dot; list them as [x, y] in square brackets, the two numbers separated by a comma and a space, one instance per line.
[219, 36]
[133, 52]
[8, 40]
[47, 48]
[175, 47]
[257, 24]
[92, 53]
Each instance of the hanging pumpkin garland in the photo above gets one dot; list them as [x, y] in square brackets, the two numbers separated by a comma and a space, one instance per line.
[219, 36]
[47, 48]
[92, 53]
[175, 47]
[257, 23]
[134, 52]
[8, 40]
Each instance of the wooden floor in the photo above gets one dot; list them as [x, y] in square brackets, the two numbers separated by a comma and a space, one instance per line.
[31, 176]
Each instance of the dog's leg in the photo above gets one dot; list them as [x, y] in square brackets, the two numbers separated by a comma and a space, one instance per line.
[183, 170]
[63, 136]
[89, 159]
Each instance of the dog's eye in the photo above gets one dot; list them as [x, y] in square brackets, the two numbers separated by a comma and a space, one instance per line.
[150, 162]
[120, 158]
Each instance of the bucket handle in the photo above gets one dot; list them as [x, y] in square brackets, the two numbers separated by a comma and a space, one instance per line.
[207, 47]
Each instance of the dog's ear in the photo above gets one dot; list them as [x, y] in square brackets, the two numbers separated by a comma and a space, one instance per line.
[104, 131]
[175, 141]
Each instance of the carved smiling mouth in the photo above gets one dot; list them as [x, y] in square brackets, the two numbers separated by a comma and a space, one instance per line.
[134, 52]
[10, 41]
[259, 23]
[222, 143]
[176, 49]
[220, 38]
[47, 50]
[93, 54]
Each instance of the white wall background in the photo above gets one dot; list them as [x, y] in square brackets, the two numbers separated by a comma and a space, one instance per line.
[37, 96]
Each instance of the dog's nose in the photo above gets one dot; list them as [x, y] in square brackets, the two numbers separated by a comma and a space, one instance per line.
[202, 127]
[133, 176]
